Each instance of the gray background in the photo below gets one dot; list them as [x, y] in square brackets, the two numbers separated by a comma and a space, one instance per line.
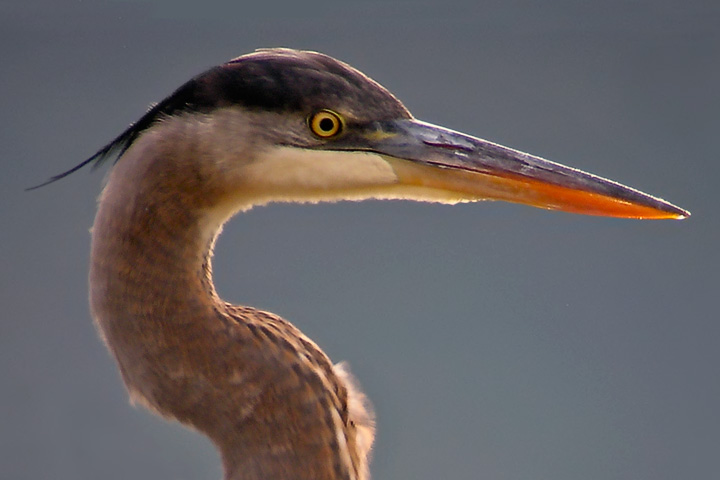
[496, 341]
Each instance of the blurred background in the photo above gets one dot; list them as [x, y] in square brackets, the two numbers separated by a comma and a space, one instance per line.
[495, 341]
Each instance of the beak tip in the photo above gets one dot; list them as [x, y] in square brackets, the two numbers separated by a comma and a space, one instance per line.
[676, 212]
[683, 215]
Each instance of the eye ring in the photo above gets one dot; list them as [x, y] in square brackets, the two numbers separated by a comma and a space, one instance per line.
[326, 123]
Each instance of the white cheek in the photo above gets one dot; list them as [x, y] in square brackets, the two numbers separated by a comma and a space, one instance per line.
[287, 174]
[286, 170]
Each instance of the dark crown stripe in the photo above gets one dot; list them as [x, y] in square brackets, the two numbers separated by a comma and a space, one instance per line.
[280, 80]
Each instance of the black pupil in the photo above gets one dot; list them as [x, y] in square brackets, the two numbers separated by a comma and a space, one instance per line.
[327, 124]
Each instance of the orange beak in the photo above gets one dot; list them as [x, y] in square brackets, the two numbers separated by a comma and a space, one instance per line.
[467, 168]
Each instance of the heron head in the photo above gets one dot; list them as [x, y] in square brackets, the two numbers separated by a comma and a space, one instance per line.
[288, 125]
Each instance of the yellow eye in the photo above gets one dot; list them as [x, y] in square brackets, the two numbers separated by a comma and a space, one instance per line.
[325, 123]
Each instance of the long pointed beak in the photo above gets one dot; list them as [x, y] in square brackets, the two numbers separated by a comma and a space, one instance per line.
[434, 157]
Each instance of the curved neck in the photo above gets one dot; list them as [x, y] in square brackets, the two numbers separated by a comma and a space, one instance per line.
[151, 292]
[247, 379]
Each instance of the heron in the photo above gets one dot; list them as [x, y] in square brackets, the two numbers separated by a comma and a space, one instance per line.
[276, 125]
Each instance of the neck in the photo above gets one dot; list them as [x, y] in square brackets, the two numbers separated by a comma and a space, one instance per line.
[151, 291]
[260, 390]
